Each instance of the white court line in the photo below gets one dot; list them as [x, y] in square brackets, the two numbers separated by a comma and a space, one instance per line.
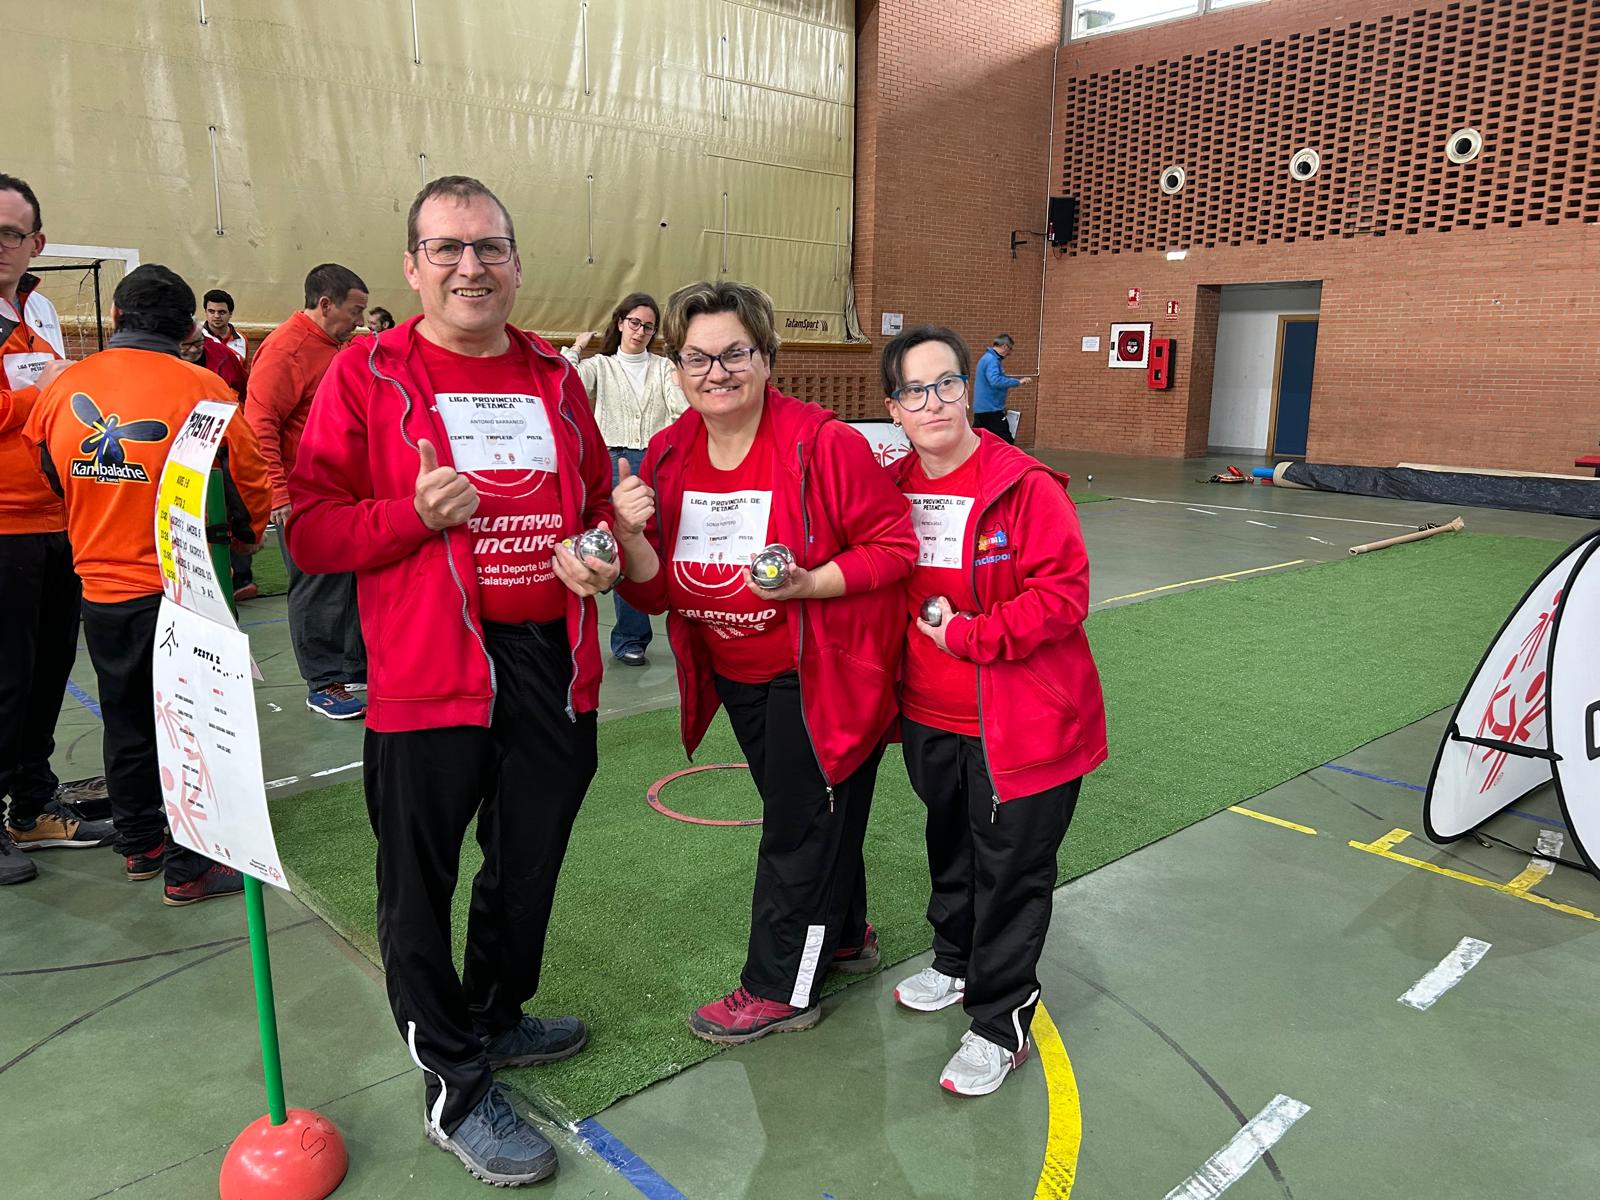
[1467, 954]
[1228, 1165]
[284, 782]
[1204, 512]
[336, 770]
[1324, 541]
[1268, 512]
[1263, 524]
[1548, 847]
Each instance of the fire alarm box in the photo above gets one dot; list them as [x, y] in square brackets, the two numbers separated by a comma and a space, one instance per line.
[1161, 350]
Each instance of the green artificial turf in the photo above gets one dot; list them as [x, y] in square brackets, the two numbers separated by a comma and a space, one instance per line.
[271, 576]
[1082, 498]
[1214, 695]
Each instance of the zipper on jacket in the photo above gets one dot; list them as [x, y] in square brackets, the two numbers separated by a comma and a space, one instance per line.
[572, 683]
[977, 672]
[661, 565]
[449, 556]
[805, 531]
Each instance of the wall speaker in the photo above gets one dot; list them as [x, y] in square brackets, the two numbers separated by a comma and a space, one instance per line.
[1063, 220]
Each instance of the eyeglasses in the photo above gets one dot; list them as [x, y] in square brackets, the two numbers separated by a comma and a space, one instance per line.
[12, 238]
[914, 396]
[447, 252]
[735, 360]
[639, 326]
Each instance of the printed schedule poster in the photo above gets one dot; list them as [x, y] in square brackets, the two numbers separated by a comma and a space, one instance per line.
[209, 747]
[187, 576]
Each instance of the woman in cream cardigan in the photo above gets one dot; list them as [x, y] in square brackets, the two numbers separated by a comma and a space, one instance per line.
[635, 395]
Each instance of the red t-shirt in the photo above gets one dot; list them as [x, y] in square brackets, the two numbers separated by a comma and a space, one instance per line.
[726, 517]
[941, 690]
[501, 439]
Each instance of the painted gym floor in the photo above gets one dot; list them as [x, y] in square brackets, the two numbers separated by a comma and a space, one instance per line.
[1257, 954]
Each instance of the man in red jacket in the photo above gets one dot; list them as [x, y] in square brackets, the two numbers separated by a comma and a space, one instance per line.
[323, 626]
[444, 462]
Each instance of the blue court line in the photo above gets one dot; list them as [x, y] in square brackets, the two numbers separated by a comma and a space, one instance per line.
[268, 621]
[83, 698]
[1414, 787]
[629, 1165]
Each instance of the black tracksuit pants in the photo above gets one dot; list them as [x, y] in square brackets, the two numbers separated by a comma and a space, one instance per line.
[39, 597]
[994, 871]
[811, 880]
[523, 778]
[122, 637]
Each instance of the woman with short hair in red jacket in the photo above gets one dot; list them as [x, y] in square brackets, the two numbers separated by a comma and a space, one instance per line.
[1002, 713]
[805, 666]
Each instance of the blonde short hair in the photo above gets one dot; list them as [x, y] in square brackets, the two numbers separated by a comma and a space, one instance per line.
[750, 304]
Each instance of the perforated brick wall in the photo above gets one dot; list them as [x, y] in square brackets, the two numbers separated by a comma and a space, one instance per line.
[1458, 301]
[1376, 98]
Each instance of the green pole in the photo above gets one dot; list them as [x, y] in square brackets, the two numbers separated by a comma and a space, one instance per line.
[255, 908]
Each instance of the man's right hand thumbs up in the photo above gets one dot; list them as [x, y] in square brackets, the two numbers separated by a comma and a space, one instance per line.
[634, 502]
[444, 498]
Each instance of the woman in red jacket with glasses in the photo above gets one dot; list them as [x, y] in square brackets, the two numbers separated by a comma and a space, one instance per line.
[806, 670]
[1000, 698]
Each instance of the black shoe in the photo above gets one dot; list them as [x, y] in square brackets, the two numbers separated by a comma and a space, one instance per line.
[496, 1144]
[633, 658]
[15, 866]
[149, 863]
[533, 1040]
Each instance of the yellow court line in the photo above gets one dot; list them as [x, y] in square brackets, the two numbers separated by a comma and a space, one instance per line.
[1530, 875]
[1167, 587]
[1384, 848]
[1065, 1134]
[1260, 816]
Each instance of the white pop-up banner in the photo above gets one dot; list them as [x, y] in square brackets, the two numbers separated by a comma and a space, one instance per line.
[207, 739]
[1530, 714]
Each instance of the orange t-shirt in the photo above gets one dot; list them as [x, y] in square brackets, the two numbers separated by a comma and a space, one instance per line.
[106, 425]
[27, 505]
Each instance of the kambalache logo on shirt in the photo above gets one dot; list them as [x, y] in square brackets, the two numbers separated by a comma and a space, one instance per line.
[108, 461]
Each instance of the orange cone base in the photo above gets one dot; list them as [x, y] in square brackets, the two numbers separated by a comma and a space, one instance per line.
[302, 1159]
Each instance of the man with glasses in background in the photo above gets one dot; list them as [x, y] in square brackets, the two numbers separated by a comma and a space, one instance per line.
[992, 386]
[323, 625]
[444, 462]
[39, 592]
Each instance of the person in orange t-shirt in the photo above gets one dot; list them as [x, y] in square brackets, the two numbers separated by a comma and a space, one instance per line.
[104, 429]
[324, 626]
[39, 594]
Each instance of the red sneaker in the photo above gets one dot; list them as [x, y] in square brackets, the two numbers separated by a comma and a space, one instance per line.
[859, 960]
[217, 880]
[741, 1017]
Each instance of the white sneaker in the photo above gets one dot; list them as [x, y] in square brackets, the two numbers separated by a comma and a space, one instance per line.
[929, 990]
[980, 1066]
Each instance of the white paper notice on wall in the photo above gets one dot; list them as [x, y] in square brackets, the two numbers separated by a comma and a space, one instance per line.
[893, 323]
[1091, 345]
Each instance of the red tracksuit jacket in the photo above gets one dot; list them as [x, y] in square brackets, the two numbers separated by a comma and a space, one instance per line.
[831, 501]
[354, 478]
[1039, 703]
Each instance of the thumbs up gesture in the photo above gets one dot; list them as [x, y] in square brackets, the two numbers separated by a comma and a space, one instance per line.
[634, 501]
[444, 498]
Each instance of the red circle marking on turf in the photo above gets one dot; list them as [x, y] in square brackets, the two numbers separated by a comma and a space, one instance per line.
[653, 796]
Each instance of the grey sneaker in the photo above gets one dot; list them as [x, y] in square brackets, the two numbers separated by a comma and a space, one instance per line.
[929, 990]
[980, 1066]
[535, 1040]
[495, 1144]
[15, 866]
[58, 827]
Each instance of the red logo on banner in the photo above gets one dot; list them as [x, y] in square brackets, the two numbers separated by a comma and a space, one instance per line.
[1516, 709]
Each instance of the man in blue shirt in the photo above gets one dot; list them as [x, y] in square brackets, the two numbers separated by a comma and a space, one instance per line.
[990, 387]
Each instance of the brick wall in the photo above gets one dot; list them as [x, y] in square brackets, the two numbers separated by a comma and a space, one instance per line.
[1456, 300]
[952, 136]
